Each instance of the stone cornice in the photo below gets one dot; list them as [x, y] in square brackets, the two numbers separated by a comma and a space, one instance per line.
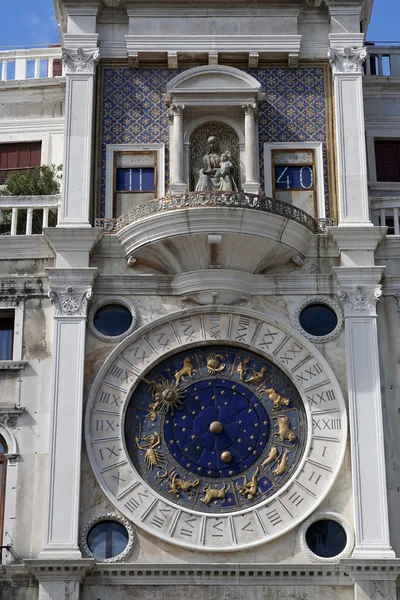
[219, 280]
[50, 570]
[357, 238]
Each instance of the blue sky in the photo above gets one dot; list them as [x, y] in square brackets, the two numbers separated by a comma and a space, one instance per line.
[31, 22]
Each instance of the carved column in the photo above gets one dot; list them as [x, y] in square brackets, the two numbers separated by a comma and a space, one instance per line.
[350, 135]
[251, 184]
[359, 290]
[80, 67]
[177, 184]
[69, 292]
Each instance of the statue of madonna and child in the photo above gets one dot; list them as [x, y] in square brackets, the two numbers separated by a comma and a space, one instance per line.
[217, 172]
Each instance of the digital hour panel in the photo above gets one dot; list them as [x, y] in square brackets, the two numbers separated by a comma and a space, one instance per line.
[294, 177]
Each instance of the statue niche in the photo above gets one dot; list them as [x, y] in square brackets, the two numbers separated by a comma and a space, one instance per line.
[214, 158]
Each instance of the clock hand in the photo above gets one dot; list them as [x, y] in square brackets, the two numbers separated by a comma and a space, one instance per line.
[166, 397]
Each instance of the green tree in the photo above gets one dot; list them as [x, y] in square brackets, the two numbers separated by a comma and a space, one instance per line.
[40, 181]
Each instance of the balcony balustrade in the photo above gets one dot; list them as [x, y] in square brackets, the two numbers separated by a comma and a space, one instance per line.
[35, 63]
[215, 199]
[385, 211]
[12, 207]
[383, 61]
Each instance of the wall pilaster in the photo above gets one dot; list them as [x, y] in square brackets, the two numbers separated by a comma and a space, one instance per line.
[69, 291]
[359, 291]
[80, 67]
[347, 72]
[251, 184]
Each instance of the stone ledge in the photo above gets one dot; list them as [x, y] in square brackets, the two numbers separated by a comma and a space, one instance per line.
[12, 365]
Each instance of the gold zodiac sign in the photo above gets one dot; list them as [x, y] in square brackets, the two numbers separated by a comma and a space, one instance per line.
[186, 371]
[257, 376]
[277, 399]
[214, 494]
[282, 466]
[215, 363]
[272, 456]
[242, 368]
[166, 397]
[284, 432]
[249, 489]
[177, 485]
[152, 457]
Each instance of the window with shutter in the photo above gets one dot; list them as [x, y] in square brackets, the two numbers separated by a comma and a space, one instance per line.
[19, 158]
[387, 153]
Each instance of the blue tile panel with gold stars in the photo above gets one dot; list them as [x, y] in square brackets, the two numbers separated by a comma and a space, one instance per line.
[234, 437]
[133, 110]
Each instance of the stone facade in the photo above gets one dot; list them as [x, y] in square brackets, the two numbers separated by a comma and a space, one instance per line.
[213, 276]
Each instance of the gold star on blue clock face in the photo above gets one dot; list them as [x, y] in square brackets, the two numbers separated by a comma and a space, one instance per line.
[217, 428]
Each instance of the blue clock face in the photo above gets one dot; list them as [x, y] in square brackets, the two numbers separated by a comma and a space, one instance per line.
[216, 429]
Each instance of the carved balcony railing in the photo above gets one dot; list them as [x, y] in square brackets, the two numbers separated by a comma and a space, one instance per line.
[36, 63]
[383, 61]
[385, 211]
[28, 215]
[213, 199]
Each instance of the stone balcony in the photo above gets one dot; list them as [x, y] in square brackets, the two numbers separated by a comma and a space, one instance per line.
[192, 231]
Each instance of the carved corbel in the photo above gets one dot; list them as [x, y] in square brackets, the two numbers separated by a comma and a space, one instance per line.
[133, 60]
[172, 60]
[253, 60]
[349, 60]
[213, 58]
[9, 415]
[293, 60]
[80, 61]
[70, 301]
[360, 301]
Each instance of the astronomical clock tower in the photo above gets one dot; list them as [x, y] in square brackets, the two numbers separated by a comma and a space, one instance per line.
[214, 405]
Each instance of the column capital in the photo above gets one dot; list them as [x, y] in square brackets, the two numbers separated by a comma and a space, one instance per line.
[175, 110]
[80, 61]
[359, 289]
[250, 109]
[70, 290]
[348, 61]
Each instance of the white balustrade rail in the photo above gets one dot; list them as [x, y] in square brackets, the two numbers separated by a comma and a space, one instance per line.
[35, 63]
[17, 204]
[383, 60]
[385, 211]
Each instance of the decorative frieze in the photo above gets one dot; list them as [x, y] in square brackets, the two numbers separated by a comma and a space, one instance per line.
[80, 62]
[348, 60]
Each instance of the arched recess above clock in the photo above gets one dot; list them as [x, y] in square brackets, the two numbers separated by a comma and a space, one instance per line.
[216, 92]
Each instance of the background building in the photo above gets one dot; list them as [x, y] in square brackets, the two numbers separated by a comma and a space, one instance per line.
[197, 394]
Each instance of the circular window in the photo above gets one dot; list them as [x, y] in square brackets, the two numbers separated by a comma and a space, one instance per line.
[107, 537]
[326, 537]
[318, 319]
[112, 319]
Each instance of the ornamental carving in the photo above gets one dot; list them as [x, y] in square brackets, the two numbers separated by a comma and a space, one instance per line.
[9, 415]
[349, 60]
[70, 301]
[360, 301]
[81, 61]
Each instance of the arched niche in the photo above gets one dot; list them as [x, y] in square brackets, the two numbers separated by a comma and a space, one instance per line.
[213, 94]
